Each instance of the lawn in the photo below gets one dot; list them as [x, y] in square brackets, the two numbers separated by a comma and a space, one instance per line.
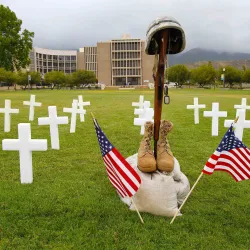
[72, 205]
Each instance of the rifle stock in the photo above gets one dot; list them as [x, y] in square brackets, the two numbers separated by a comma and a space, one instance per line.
[159, 85]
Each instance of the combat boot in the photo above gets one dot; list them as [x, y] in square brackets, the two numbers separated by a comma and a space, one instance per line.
[165, 158]
[146, 160]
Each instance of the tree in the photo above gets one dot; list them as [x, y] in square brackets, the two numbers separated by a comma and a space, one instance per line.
[83, 77]
[10, 78]
[22, 79]
[246, 76]
[55, 78]
[2, 75]
[35, 77]
[203, 75]
[232, 75]
[178, 74]
[69, 81]
[15, 45]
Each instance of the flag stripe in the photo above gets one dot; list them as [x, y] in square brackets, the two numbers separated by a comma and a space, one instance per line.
[207, 170]
[246, 153]
[115, 184]
[136, 178]
[121, 180]
[123, 171]
[112, 173]
[127, 183]
[228, 170]
[229, 164]
[131, 174]
[126, 186]
[234, 161]
[241, 160]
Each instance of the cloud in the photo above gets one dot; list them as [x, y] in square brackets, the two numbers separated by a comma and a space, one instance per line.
[64, 24]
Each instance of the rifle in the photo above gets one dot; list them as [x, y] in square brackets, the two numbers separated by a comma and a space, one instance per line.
[159, 86]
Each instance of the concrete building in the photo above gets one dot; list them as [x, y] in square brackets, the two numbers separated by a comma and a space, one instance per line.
[46, 60]
[115, 63]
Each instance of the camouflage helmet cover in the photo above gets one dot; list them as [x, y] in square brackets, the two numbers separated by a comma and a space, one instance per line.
[176, 42]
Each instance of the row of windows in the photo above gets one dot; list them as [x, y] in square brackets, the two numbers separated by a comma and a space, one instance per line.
[55, 57]
[130, 63]
[123, 80]
[44, 71]
[90, 50]
[124, 72]
[90, 58]
[91, 66]
[55, 64]
[126, 46]
[125, 55]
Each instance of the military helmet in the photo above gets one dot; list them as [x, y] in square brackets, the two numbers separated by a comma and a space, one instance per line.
[176, 36]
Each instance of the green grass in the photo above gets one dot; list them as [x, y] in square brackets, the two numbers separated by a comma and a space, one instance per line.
[72, 205]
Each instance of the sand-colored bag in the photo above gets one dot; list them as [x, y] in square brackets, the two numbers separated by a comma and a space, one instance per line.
[159, 193]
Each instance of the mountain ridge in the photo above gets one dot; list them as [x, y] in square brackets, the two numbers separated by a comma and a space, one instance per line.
[197, 55]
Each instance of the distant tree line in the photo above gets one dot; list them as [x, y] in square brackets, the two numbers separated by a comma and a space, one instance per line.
[206, 74]
[53, 79]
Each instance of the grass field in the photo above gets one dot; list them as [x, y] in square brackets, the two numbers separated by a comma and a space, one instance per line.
[72, 205]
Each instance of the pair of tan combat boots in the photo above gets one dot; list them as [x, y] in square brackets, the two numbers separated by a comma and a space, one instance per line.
[165, 159]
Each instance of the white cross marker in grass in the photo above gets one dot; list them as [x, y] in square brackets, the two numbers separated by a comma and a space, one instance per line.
[240, 125]
[140, 103]
[141, 111]
[147, 116]
[53, 121]
[243, 106]
[196, 108]
[7, 110]
[74, 111]
[81, 105]
[32, 103]
[25, 145]
[215, 114]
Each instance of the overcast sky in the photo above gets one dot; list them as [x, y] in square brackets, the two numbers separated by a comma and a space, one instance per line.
[70, 24]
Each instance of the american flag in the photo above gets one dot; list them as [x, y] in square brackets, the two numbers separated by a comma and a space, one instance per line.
[121, 175]
[231, 156]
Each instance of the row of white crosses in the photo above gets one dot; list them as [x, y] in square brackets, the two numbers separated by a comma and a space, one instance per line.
[144, 111]
[25, 145]
[215, 114]
[7, 110]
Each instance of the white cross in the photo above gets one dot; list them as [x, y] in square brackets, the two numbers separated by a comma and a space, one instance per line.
[148, 116]
[215, 114]
[81, 105]
[141, 111]
[25, 145]
[196, 108]
[7, 110]
[140, 103]
[243, 106]
[53, 120]
[32, 103]
[240, 125]
[74, 110]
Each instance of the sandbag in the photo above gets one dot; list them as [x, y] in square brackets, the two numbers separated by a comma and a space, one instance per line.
[159, 193]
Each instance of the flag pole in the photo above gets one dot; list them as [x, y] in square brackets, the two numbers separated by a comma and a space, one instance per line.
[186, 197]
[137, 210]
[92, 115]
[235, 121]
